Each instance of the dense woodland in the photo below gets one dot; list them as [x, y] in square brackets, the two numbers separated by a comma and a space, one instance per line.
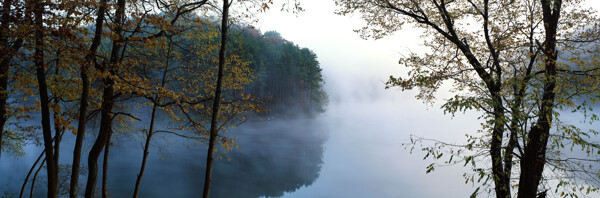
[288, 78]
[285, 79]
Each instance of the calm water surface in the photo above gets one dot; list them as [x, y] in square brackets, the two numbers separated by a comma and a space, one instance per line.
[352, 150]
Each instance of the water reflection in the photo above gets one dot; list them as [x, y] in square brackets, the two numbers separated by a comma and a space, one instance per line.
[277, 158]
[274, 157]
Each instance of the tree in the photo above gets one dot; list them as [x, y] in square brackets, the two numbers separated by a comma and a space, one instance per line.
[74, 67]
[38, 57]
[151, 130]
[108, 99]
[223, 58]
[217, 99]
[502, 63]
[52, 44]
[534, 157]
[85, 94]
[180, 80]
[14, 22]
[117, 69]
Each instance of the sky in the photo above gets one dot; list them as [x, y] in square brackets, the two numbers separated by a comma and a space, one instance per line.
[342, 53]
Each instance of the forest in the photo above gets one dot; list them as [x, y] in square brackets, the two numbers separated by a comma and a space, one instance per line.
[90, 69]
[288, 78]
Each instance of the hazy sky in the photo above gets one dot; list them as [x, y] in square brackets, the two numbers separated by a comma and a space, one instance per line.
[343, 55]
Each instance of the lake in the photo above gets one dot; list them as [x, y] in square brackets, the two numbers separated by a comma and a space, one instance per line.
[354, 149]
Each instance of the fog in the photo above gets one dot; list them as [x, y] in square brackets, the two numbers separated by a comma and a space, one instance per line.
[364, 155]
[353, 149]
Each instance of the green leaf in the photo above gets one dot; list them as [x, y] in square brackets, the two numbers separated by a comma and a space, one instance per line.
[474, 194]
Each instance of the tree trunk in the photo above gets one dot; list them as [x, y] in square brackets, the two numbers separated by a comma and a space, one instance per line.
[35, 178]
[57, 114]
[494, 85]
[7, 52]
[105, 168]
[534, 158]
[105, 125]
[107, 105]
[85, 92]
[74, 185]
[29, 173]
[1, 133]
[4, 75]
[5, 58]
[215, 109]
[146, 152]
[514, 127]
[500, 185]
[151, 129]
[51, 165]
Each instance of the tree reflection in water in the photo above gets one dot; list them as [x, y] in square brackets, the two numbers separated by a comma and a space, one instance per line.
[274, 158]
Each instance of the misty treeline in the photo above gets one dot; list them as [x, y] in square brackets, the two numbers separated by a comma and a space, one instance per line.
[69, 64]
[288, 78]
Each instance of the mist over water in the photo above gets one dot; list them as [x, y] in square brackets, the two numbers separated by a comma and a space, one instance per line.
[364, 155]
[274, 157]
[353, 149]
